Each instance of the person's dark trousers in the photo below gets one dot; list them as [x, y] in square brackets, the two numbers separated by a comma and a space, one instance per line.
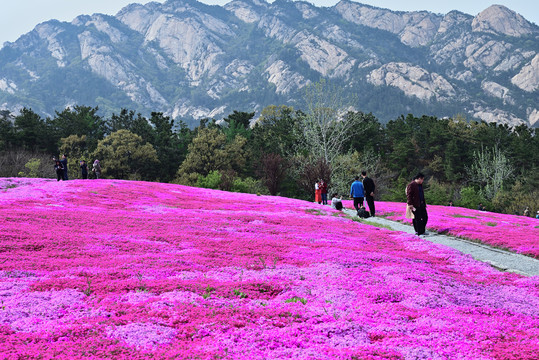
[324, 198]
[60, 176]
[85, 176]
[420, 220]
[370, 202]
[358, 202]
[65, 175]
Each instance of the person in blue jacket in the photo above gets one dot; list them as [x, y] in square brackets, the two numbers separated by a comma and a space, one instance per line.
[356, 192]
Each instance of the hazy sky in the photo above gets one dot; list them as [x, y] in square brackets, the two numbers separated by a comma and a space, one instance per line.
[18, 17]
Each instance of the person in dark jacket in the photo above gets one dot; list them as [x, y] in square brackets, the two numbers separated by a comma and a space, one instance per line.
[369, 187]
[84, 169]
[416, 200]
[64, 164]
[59, 169]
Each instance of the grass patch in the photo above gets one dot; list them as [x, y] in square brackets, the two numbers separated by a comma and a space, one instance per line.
[490, 223]
[314, 212]
[296, 299]
[464, 216]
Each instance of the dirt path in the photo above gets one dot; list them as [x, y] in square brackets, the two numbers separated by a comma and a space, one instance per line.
[500, 259]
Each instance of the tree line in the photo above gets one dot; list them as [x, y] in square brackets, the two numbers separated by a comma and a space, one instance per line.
[285, 150]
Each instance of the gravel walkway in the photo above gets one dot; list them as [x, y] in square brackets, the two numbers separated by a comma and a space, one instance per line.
[500, 259]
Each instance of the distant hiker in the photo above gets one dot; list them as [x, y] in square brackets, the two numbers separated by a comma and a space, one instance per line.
[357, 193]
[59, 168]
[368, 185]
[84, 169]
[96, 169]
[527, 211]
[324, 191]
[64, 164]
[481, 207]
[336, 202]
[415, 199]
[450, 203]
[537, 216]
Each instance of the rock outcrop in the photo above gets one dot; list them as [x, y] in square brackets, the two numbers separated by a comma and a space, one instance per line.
[191, 60]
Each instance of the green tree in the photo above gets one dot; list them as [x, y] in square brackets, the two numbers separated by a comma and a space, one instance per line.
[76, 149]
[80, 120]
[209, 151]
[170, 149]
[32, 132]
[124, 155]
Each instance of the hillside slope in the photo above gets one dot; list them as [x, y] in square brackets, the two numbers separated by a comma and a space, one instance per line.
[191, 60]
[131, 270]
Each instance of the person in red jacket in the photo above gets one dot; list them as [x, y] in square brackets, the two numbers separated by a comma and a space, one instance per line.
[324, 191]
[415, 198]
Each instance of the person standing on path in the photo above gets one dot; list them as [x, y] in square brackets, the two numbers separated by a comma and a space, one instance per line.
[64, 164]
[317, 192]
[369, 187]
[96, 169]
[84, 169]
[357, 193]
[416, 200]
[324, 191]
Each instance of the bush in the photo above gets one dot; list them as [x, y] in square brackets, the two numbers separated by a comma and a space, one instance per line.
[33, 166]
[470, 198]
[210, 181]
[249, 185]
[437, 193]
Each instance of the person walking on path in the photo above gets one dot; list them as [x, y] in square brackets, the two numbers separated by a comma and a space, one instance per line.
[59, 169]
[64, 164]
[527, 211]
[369, 187]
[84, 169]
[324, 191]
[415, 199]
[317, 192]
[357, 193]
[96, 169]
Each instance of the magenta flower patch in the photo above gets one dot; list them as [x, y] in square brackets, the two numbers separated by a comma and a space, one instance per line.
[132, 270]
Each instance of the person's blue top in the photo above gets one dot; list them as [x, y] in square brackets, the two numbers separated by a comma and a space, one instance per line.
[356, 190]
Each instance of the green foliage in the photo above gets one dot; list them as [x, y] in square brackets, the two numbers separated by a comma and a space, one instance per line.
[470, 198]
[124, 155]
[296, 299]
[33, 166]
[210, 181]
[209, 151]
[437, 193]
[248, 185]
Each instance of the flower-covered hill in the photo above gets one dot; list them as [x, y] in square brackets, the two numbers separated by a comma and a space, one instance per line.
[133, 270]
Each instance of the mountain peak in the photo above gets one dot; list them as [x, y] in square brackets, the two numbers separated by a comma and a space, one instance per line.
[498, 19]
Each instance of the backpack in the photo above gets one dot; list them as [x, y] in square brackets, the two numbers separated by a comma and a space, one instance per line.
[363, 213]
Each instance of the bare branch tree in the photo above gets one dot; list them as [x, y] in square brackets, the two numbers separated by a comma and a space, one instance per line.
[272, 170]
[490, 168]
[325, 128]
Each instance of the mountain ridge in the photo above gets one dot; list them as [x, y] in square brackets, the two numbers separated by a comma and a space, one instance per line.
[192, 60]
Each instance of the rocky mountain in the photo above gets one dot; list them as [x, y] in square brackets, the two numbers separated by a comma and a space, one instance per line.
[192, 60]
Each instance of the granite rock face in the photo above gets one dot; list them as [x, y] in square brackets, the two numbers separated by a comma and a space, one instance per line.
[192, 60]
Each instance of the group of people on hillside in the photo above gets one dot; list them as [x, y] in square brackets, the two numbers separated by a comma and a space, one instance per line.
[359, 191]
[60, 167]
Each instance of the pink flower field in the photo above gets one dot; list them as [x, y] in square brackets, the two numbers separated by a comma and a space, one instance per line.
[519, 234]
[113, 269]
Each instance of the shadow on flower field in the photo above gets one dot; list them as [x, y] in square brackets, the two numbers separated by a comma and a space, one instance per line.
[135, 270]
